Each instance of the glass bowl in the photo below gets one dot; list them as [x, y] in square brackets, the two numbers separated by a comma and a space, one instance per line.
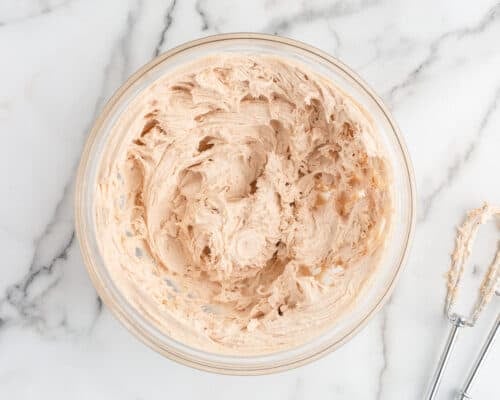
[373, 297]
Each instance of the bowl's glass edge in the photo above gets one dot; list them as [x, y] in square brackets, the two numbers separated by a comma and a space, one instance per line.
[81, 226]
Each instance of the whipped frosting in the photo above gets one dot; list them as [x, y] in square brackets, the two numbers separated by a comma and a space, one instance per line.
[242, 203]
[466, 236]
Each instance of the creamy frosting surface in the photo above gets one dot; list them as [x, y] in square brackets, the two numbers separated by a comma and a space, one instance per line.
[242, 203]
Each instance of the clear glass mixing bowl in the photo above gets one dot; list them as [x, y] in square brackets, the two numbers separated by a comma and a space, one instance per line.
[373, 296]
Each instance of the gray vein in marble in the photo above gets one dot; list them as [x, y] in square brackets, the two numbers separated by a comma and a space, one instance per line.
[20, 290]
[459, 163]
[19, 304]
[307, 14]
[336, 36]
[385, 359]
[68, 188]
[123, 43]
[17, 294]
[44, 9]
[168, 19]
[66, 327]
[435, 47]
[203, 15]
[121, 52]
[31, 311]
[99, 305]
[120, 58]
[97, 314]
[379, 51]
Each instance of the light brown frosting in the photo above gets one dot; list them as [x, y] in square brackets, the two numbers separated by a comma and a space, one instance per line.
[467, 233]
[242, 203]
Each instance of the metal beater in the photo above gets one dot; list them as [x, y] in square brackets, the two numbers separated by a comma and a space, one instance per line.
[465, 238]
[465, 392]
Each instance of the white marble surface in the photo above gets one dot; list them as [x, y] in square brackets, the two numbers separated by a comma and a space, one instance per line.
[436, 63]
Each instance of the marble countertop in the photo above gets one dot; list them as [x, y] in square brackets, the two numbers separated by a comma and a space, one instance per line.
[436, 63]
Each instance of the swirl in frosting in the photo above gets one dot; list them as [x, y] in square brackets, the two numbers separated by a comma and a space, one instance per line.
[242, 203]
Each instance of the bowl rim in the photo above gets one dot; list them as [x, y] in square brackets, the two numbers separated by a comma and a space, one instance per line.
[118, 310]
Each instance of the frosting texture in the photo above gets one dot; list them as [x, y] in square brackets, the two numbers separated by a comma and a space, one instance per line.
[242, 203]
[466, 236]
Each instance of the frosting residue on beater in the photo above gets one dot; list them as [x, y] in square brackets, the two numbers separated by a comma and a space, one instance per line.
[466, 235]
[243, 203]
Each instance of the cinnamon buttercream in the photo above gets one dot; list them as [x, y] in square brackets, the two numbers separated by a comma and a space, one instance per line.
[242, 203]
[466, 236]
